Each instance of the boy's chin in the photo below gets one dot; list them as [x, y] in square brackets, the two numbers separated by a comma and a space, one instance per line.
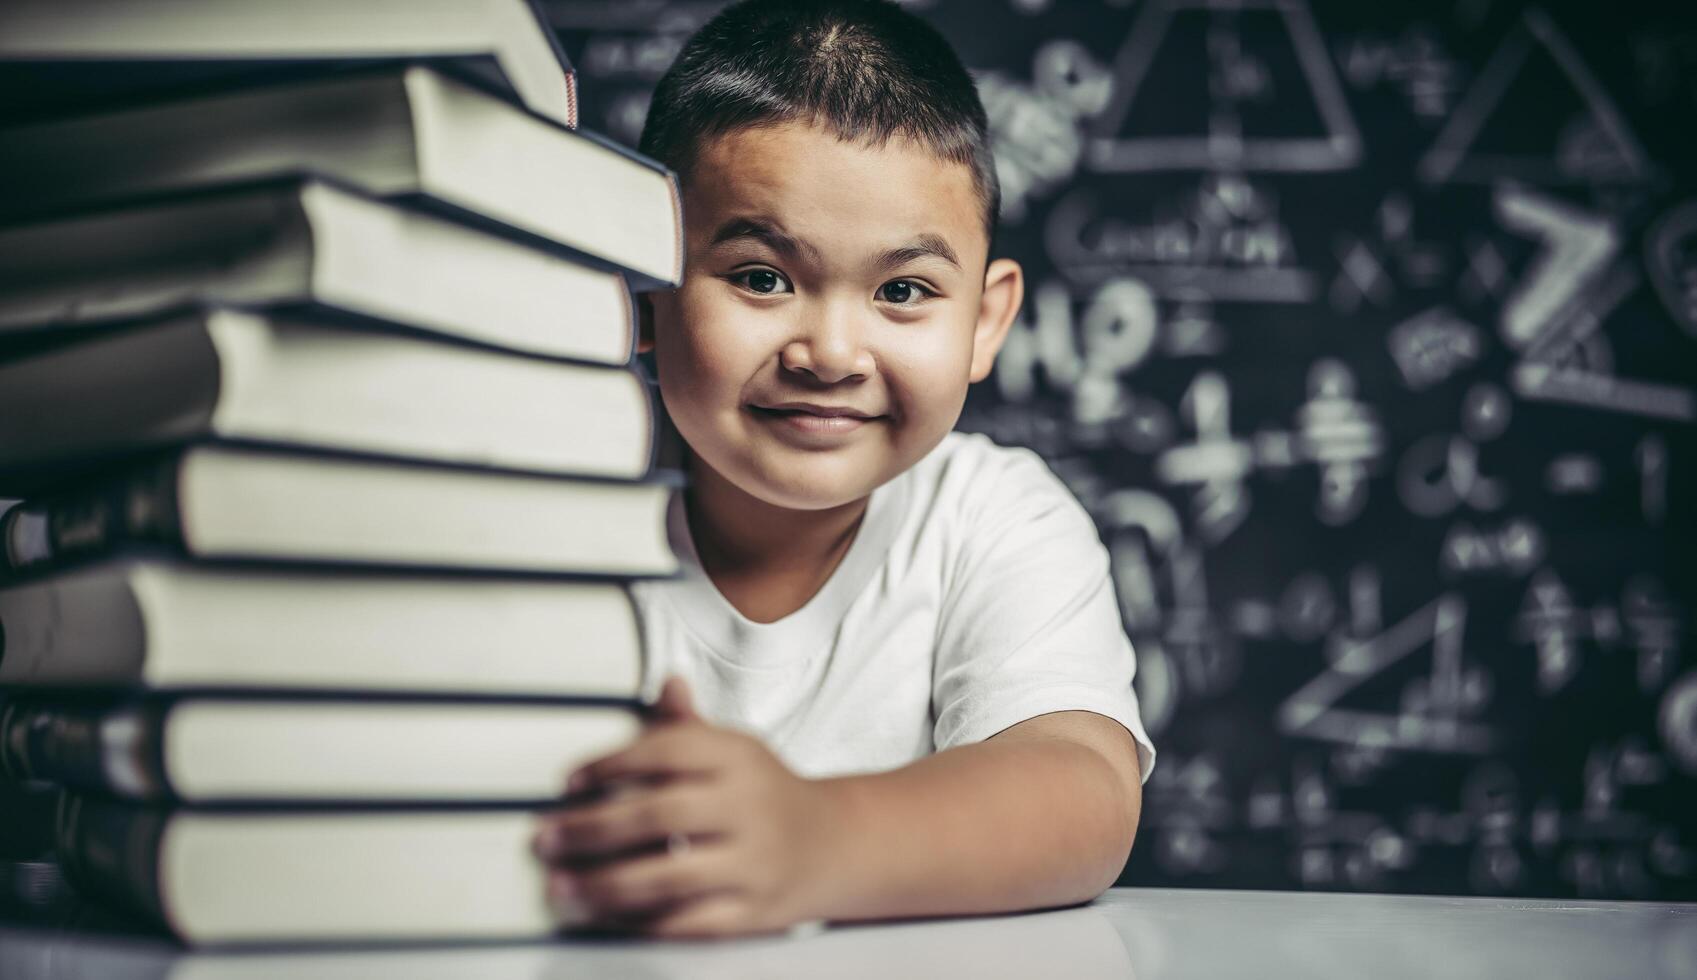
[805, 493]
[806, 485]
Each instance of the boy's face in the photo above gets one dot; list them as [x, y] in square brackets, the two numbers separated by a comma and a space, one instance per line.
[834, 308]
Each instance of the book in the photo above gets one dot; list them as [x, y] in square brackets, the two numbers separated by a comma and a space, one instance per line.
[225, 877]
[231, 503]
[60, 55]
[282, 379]
[243, 747]
[307, 242]
[403, 131]
[172, 624]
[26, 820]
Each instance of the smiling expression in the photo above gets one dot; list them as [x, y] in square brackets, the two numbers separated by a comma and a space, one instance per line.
[830, 316]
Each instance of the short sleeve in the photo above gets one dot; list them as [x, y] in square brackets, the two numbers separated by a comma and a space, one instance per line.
[1030, 623]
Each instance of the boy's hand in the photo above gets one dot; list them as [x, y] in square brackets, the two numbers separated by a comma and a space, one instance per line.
[702, 831]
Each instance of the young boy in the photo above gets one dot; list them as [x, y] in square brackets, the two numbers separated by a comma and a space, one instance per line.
[897, 684]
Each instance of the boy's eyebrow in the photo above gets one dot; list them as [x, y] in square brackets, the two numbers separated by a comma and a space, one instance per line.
[767, 233]
[925, 246]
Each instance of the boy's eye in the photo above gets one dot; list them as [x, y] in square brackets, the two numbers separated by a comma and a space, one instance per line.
[903, 292]
[767, 282]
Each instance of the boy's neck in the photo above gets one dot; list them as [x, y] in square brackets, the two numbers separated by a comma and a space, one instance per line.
[767, 561]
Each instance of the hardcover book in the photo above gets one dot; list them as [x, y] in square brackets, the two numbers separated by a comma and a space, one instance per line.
[227, 503]
[306, 242]
[249, 748]
[223, 877]
[402, 132]
[175, 624]
[290, 380]
[61, 55]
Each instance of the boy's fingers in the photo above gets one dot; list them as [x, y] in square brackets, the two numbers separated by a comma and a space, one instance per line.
[659, 753]
[675, 702]
[627, 822]
[641, 885]
[708, 917]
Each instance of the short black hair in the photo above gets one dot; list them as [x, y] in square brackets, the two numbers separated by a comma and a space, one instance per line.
[864, 70]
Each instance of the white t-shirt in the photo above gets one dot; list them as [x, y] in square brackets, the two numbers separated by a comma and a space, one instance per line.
[974, 596]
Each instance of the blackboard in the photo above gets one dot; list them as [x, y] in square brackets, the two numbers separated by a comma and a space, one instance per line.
[1368, 334]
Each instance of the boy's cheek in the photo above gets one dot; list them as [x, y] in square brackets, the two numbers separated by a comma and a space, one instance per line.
[701, 377]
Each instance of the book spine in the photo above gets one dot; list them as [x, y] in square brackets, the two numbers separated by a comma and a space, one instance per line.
[94, 747]
[91, 520]
[72, 631]
[26, 820]
[110, 850]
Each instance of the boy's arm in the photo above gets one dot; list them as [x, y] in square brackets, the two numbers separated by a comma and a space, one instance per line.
[1042, 814]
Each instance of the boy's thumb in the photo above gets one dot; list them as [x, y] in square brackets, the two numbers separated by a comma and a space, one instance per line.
[675, 702]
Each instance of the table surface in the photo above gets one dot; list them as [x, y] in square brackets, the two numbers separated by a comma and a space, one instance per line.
[1146, 933]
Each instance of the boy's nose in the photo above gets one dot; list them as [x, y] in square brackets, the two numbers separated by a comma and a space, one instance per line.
[831, 348]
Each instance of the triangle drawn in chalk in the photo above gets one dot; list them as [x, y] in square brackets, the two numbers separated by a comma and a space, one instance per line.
[1245, 86]
[1538, 115]
[1436, 708]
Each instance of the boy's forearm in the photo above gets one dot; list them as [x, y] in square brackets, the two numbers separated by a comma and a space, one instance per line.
[1007, 824]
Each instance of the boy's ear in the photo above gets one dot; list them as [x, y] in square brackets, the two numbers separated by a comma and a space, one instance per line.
[644, 323]
[1004, 289]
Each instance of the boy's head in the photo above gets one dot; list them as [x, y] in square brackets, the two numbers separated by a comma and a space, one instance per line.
[838, 298]
[863, 70]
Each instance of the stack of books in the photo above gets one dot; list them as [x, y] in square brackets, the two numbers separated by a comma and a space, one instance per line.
[317, 397]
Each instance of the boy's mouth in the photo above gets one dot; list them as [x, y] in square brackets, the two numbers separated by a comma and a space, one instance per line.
[812, 426]
[819, 411]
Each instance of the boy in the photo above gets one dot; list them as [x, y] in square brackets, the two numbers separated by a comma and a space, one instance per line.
[915, 691]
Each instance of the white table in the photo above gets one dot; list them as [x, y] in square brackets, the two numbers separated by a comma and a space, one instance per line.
[1149, 934]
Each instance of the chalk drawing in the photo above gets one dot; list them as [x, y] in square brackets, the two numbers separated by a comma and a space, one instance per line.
[1574, 337]
[1554, 626]
[1137, 522]
[1433, 715]
[1361, 276]
[1440, 473]
[1342, 436]
[1432, 346]
[1045, 338]
[1676, 722]
[1189, 806]
[1651, 455]
[1487, 271]
[1485, 412]
[1154, 521]
[1593, 144]
[1653, 627]
[1187, 45]
[1414, 62]
[1577, 247]
[1588, 389]
[1217, 463]
[1515, 548]
[1226, 241]
[1307, 609]
[1192, 329]
[1034, 129]
[1574, 474]
[1670, 255]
